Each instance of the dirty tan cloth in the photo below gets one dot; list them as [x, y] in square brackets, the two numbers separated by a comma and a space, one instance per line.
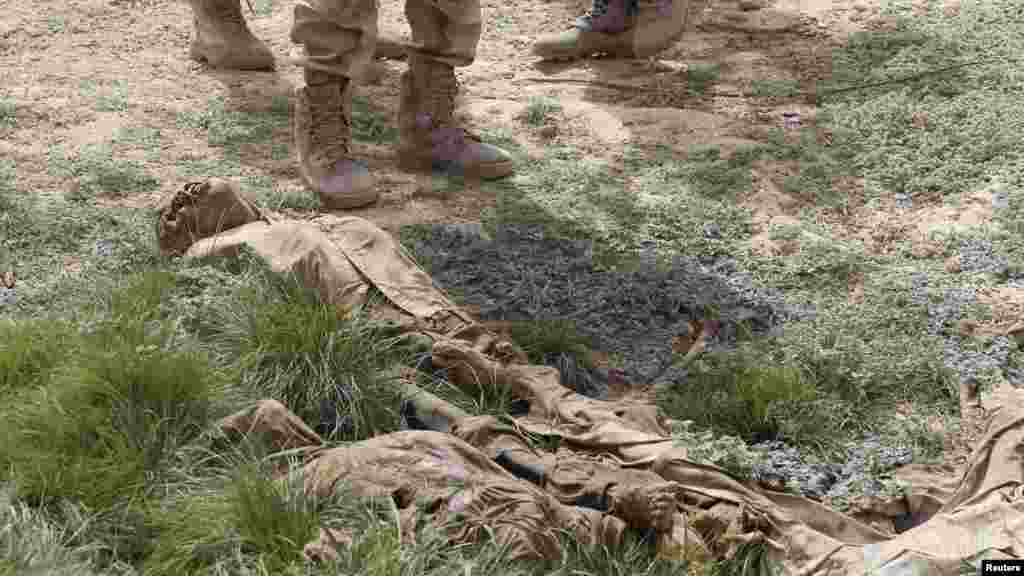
[343, 268]
[462, 489]
[339, 36]
[985, 514]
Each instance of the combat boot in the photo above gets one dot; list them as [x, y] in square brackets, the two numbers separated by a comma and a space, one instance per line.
[322, 139]
[222, 39]
[428, 135]
[619, 28]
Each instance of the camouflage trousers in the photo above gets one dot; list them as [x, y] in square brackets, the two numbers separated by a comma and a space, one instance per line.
[339, 36]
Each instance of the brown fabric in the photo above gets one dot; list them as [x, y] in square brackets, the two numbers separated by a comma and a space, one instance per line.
[982, 515]
[465, 491]
[200, 210]
[985, 515]
[343, 267]
[339, 36]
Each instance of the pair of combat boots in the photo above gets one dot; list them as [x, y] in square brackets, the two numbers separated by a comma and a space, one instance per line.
[428, 135]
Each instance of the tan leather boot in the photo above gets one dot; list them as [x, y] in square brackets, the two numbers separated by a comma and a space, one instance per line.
[428, 136]
[322, 139]
[618, 28]
[222, 39]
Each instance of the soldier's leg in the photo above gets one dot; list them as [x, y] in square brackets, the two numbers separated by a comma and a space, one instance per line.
[444, 35]
[336, 38]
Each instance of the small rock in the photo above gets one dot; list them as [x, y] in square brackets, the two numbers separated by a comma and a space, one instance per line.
[548, 131]
[953, 264]
[105, 248]
[966, 327]
[6, 296]
[712, 230]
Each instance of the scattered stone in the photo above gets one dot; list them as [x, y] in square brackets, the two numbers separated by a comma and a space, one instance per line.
[104, 248]
[712, 230]
[7, 296]
[903, 201]
[548, 131]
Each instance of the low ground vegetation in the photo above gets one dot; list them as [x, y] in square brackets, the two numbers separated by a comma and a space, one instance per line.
[111, 374]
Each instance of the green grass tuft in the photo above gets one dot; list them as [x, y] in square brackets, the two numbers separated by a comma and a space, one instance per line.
[230, 129]
[289, 345]
[96, 171]
[113, 98]
[8, 113]
[700, 77]
[540, 110]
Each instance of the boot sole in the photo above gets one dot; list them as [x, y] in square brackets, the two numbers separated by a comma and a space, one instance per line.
[493, 171]
[196, 53]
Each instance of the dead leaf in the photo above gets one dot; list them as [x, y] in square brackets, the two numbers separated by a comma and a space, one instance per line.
[9, 278]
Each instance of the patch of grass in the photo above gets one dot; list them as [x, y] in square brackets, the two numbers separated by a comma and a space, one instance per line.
[278, 199]
[822, 263]
[114, 410]
[234, 517]
[8, 113]
[111, 98]
[97, 171]
[713, 176]
[726, 452]
[700, 76]
[775, 88]
[940, 133]
[230, 129]
[289, 345]
[750, 559]
[30, 350]
[504, 139]
[263, 8]
[1010, 215]
[369, 125]
[8, 186]
[280, 151]
[145, 136]
[202, 167]
[32, 542]
[55, 24]
[42, 236]
[570, 196]
[539, 110]
[737, 394]
[681, 216]
[829, 378]
[542, 340]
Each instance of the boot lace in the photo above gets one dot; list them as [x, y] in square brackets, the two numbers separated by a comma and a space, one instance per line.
[189, 194]
[329, 124]
[447, 139]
